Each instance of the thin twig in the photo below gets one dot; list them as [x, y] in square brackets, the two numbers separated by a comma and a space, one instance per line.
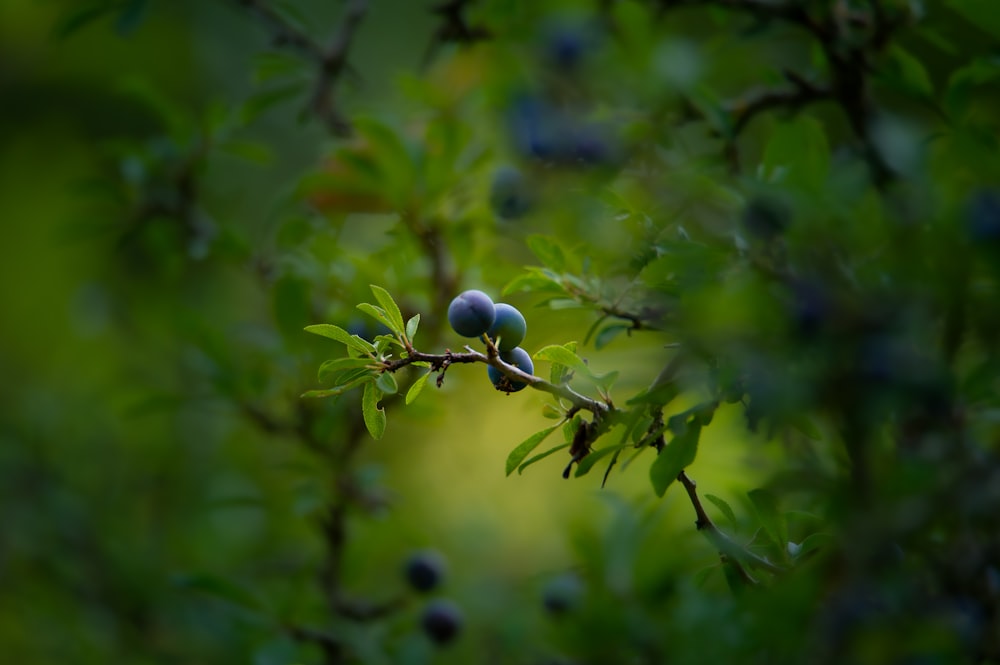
[738, 554]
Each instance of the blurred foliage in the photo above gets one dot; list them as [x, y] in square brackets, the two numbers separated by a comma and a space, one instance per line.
[757, 245]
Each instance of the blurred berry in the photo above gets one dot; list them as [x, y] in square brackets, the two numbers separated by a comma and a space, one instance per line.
[425, 570]
[562, 594]
[442, 620]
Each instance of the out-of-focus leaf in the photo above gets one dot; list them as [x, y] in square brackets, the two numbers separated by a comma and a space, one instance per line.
[724, 507]
[517, 455]
[221, 588]
[535, 281]
[548, 252]
[798, 154]
[765, 505]
[609, 333]
[910, 72]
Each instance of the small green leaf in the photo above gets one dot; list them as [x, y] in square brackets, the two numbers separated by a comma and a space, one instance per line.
[411, 326]
[338, 334]
[379, 315]
[417, 386]
[539, 457]
[813, 542]
[340, 364]
[386, 382]
[548, 252]
[766, 506]
[560, 354]
[534, 281]
[552, 412]
[390, 307]
[593, 458]
[723, 507]
[374, 416]
[674, 458]
[517, 455]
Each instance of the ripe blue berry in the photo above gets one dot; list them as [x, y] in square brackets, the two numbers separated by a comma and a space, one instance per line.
[509, 325]
[517, 357]
[471, 313]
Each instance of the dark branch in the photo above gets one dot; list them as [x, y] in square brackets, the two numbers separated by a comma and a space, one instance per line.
[738, 554]
[440, 362]
[330, 62]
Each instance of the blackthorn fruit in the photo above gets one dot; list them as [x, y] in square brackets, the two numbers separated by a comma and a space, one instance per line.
[510, 193]
[471, 313]
[984, 216]
[562, 593]
[424, 570]
[520, 359]
[441, 620]
[509, 325]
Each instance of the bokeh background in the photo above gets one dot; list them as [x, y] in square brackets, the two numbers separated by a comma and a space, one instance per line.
[163, 240]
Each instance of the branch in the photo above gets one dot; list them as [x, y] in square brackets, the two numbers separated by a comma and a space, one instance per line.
[441, 362]
[801, 94]
[738, 554]
[330, 62]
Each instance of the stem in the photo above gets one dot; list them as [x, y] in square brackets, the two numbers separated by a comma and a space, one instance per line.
[439, 362]
[738, 554]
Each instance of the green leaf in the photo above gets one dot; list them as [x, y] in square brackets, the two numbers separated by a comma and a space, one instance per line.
[517, 455]
[548, 252]
[560, 354]
[541, 456]
[340, 364]
[338, 334]
[674, 458]
[765, 505]
[379, 315]
[374, 416]
[723, 507]
[319, 394]
[391, 309]
[386, 382]
[535, 281]
[593, 458]
[417, 386]
[412, 325]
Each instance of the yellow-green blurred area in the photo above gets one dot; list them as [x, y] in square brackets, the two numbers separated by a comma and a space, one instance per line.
[174, 211]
